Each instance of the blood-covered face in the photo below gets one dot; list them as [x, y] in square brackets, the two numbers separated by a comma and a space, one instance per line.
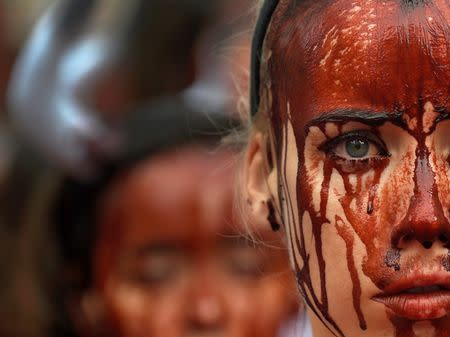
[360, 113]
[171, 261]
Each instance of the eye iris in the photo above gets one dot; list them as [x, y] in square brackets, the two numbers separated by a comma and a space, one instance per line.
[357, 148]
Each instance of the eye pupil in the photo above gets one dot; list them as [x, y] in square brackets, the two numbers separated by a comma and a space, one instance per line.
[357, 148]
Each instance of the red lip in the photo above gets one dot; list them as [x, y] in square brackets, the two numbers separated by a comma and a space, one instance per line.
[418, 296]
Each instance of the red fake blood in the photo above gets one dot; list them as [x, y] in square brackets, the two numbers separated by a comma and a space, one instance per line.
[378, 88]
[317, 230]
[403, 327]
[347, 236]
[318, 306]
[442, 327]
[373, 192]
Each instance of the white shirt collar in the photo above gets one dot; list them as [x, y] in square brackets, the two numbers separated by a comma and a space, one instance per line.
[300, 326]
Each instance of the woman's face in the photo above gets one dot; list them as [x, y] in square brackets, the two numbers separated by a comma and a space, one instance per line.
[170, 260]
[361, 103]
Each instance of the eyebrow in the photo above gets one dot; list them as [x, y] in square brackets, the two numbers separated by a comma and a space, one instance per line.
[237, 240]
[159, 247]
[370, 117]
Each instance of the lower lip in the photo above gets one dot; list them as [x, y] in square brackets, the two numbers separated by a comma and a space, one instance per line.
[418, 307]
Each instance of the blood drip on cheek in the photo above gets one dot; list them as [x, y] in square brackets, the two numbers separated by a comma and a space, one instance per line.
[347, 236]
[319, 306]
[370, 205]
[319, 219]
[356, 194]
[373, 192]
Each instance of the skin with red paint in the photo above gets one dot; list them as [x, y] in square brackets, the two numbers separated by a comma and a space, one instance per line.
[170, 259]
[361, 135]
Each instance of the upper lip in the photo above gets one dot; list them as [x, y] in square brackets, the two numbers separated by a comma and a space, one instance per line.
[416, 281]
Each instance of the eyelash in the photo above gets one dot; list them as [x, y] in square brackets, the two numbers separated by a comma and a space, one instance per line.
[363, 135]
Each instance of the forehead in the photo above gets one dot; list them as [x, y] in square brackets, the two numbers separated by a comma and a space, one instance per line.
[180, 196]
[374, 54]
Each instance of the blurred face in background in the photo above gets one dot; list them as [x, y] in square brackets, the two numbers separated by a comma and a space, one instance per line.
[170, 260]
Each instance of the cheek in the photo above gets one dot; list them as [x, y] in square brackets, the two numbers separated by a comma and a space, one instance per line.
[347, 219]
[440, 156]
[288, 172]
[277, 302]
[326, 249]
[253, 310]
[397, 182]
[140, 312]
[371, 203]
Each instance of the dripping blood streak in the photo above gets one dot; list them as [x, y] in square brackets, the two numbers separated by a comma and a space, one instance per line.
[373, 192]
[304, 274]
[403, 327]
[317, 231]
[374, 189]
[347, 236]
[370, 207]
[361, 228]
[357, 191]
[442, 327]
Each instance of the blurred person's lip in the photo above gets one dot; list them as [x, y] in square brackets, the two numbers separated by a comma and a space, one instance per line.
[418, 296]
[208, 334]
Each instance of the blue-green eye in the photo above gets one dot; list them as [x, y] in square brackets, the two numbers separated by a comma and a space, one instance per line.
[357, 148]
[356, 145]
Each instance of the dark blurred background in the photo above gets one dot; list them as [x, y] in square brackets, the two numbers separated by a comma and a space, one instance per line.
[57, 112]
[196, 50]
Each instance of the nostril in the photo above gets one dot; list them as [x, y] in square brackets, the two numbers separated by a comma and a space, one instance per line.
[402, 240]
[443, 238]
[408, 237]
[427, 244]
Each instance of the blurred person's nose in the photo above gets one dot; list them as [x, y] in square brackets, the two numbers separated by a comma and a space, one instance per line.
[206, 304]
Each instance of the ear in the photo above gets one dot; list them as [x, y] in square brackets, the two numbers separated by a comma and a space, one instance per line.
[259, 181]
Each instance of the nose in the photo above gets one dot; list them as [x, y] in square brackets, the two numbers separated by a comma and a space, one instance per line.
[206, 307]
[425, 220]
